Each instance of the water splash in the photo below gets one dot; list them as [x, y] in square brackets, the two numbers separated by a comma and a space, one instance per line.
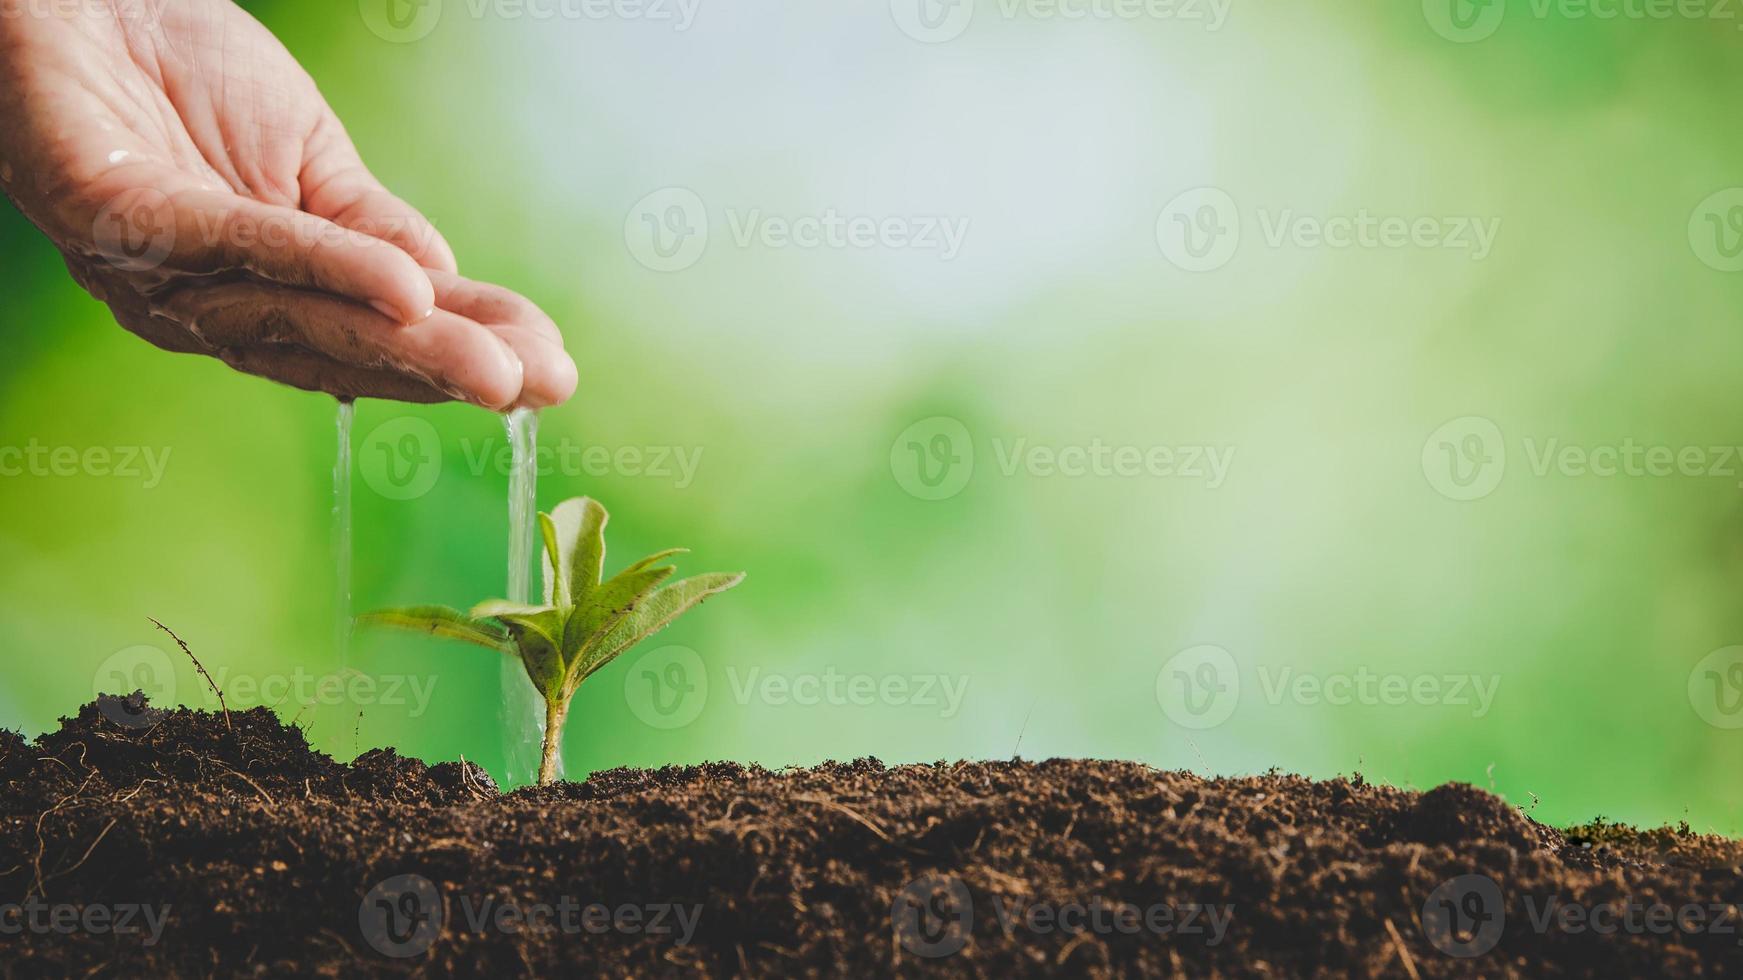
[523, 710]
[342, 535]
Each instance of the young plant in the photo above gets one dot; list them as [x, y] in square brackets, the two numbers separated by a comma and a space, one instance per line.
[587, 620]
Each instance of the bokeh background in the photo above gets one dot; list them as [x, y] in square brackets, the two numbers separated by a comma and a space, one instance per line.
[1142, 198]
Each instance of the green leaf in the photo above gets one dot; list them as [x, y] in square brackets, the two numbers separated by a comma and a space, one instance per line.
[556, 570]
[499, 608]
[441, 621]
[607, 605]
[536, 636]
[654, 614]
[575, 545]
[587, 566]
[655, 557]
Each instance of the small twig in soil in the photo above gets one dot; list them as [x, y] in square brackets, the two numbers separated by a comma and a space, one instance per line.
[270, 804]
[42, 844]
[201, 668]
[1024, 730]
[856, 817]
[80, 863]
[1403, 951]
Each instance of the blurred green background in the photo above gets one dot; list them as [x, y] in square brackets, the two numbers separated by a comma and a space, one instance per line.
[823, 395]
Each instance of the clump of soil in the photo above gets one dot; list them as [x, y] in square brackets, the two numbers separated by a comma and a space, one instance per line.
[231, 848]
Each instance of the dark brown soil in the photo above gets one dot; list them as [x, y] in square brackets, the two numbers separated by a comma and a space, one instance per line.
[241, 851]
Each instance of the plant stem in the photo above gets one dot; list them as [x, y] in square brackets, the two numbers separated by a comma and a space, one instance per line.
[555, 715]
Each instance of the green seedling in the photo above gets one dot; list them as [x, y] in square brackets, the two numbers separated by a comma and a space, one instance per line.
[587, 620]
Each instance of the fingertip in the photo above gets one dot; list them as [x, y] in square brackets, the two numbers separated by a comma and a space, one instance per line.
[493, 381]
[551, 380]
[402, 291]
[438, 255]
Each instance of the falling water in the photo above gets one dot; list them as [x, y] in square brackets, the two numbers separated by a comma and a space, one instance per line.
[342, 535]
[523, 484]
[523, 711]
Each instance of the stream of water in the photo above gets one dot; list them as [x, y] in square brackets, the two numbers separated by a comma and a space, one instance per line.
[523, 709]
[342, 535]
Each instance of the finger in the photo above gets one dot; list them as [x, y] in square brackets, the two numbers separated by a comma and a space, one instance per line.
[446, 351]
[355, 200]
[336, 185]
[299, 368]
[550, 377]
[204, 231]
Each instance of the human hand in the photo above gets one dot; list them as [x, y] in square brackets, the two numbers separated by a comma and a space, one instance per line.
[197, 182]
